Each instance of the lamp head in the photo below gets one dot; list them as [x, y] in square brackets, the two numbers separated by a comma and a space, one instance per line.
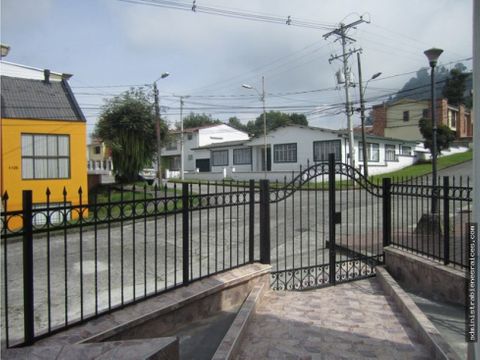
[247, 86]
[376, 75]
[164, 75]
[433, 54]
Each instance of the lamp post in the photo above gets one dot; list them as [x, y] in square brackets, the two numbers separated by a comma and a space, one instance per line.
[362, 112]
[262, 98]
[157, 122]
[433, 54]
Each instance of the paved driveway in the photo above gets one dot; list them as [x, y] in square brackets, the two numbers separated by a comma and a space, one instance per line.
[350, 321]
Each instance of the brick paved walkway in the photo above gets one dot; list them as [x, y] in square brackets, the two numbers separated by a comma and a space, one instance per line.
[349, 321]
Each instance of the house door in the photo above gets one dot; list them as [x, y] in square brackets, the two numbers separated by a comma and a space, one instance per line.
[203, 165]
[269, 159]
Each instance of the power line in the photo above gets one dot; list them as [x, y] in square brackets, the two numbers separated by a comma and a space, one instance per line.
[232, 13]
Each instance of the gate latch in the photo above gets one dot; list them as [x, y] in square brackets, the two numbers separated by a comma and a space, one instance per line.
[337, 218]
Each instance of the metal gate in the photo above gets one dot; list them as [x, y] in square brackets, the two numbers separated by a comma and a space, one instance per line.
[326, 226]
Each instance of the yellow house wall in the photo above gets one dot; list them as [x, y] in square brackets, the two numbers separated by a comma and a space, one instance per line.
[400, 129]
[11, 162]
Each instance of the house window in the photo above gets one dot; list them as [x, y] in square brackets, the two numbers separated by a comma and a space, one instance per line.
[425, 113]
[321, 149]
[45, 156]
[283, 153]
[190, 157]
[172, 145]
[189, 136]
[242, 156]
[97, 150]
[390, 153]
[406, 115]
[452, 117]
[373, 152]
[406, 150]
[220, 158]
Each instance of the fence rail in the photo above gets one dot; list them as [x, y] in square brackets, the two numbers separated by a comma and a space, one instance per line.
[82, 259]
[441, 235]
[69, 259]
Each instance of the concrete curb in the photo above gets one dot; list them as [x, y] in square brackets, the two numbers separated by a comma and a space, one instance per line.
[230, 344]
[426, 331]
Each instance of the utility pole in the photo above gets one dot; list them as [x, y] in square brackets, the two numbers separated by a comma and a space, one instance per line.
[265, 161]
[341, 33]
[362, 117]
[159, 147]
[182, 146]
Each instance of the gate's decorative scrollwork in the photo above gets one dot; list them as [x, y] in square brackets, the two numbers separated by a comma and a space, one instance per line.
[321, 170]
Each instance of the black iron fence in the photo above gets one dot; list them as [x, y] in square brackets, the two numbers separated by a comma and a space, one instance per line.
[67, 262]
[440, 236]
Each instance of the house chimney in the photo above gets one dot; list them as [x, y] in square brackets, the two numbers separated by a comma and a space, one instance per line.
[46, 74]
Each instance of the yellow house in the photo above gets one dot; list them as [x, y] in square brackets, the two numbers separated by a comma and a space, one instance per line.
[43, 140]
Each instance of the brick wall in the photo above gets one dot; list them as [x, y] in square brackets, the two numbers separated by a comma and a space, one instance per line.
[379, 114]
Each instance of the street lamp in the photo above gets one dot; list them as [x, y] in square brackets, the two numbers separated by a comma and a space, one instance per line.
[433, 54]
[157, 120]
[362, 112]
[262, 98]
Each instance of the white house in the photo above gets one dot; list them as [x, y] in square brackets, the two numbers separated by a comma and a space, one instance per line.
[293, 146]
[195, 138]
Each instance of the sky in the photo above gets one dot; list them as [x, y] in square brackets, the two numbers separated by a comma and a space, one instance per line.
[111, 45]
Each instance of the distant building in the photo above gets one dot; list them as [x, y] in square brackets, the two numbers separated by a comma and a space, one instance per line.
[99, 163]
[194, 138]
[43, 137]
[290, 147]
[400, 119]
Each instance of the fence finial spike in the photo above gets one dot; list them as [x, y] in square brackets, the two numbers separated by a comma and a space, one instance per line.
[64, 191]
[48, 192]
[80, 191]
[5, 195]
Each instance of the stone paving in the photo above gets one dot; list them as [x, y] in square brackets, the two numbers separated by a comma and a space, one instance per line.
[354, 320]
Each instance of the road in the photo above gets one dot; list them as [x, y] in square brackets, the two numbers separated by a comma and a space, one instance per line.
[464, 170]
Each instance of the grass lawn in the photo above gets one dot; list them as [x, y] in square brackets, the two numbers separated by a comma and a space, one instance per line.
[422, 169]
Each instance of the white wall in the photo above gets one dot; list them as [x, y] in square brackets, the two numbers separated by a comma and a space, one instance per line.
[303, 137]
[203, 137]
[218, 134]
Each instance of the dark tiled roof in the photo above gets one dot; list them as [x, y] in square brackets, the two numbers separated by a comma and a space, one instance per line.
[35, 99]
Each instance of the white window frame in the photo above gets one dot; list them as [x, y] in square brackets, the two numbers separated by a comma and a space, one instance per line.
[389, 151]
[242, 156]
[372, 148]
[224, 161]
[285, 153]
[51, 158]
[337, 144]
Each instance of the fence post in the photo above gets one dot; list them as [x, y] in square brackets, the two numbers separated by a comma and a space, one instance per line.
[185, 234]
[251, 223]
[387, 211]
[264, 221]
[28, 312]
[446, 221]
[331, 218]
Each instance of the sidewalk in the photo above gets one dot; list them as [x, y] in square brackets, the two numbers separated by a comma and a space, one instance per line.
[350, 321]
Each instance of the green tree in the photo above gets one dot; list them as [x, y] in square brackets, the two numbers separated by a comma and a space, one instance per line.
[274, 120]
[237, 124]
[193, 120]
[445, 135]
[127, 126]
[456, 86]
